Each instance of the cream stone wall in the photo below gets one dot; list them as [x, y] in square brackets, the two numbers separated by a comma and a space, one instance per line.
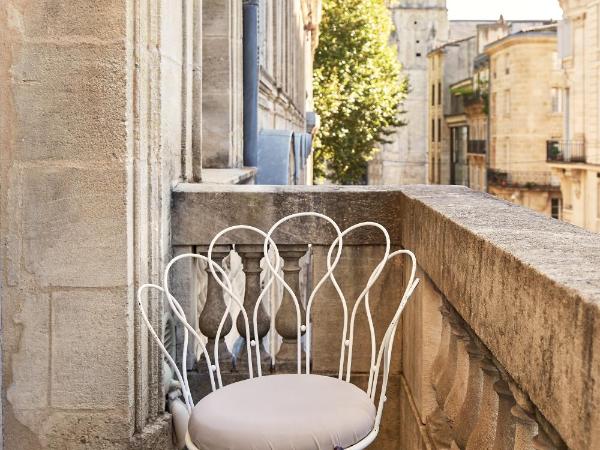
[222, 101]
[523, 72]
[579, 46]
[91, 140]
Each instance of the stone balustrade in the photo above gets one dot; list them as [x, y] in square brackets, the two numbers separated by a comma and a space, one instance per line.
[499, 347]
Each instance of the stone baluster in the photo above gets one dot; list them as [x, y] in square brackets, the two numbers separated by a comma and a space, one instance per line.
[456, 396]
[526, 428]
[482, 436]
[439, 363]
[543, 442]
[286, 319]
[506, 423]
[446, 379]
[469, 412]
[437, 422]
[547, 438]
[251, 256]
[213, 311]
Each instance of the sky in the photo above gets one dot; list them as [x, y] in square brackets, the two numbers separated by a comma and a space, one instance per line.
[511, 9]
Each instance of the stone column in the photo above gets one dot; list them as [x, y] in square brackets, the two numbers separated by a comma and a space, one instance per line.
[213, 311]
[456, 396]
[286, 319]
[482, 436]
[543, 442]
[444, 363]
[469, 412]
[446, 379]
[251, 256]
[526, 427]
[506, 423]
[439, 362]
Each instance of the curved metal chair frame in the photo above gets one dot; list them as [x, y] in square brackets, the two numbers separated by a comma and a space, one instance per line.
[382, 355]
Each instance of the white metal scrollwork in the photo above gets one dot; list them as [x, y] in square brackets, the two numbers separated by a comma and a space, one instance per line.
[378, 356]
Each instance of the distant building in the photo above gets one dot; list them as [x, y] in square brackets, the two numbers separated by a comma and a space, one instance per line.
[420, 25]
[576, 158]
[524, 116]
[450, 68]
[489, 125]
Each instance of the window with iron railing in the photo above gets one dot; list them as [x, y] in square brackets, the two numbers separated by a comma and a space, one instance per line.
[570, 151]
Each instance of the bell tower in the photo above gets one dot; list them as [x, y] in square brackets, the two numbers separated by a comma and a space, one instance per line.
[420, 25]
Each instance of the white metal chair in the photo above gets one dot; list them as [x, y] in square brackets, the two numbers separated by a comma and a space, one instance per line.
[288, 411]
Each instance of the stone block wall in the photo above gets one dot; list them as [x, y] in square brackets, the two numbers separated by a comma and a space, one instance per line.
[91, 139]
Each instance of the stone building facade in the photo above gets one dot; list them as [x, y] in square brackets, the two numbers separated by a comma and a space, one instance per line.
[102, 110]
[420, 25]
[576, 159]
[450, 66]
[524, 79]
[497, 112]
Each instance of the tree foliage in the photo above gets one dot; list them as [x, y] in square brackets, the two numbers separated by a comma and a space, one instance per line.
[358, 87]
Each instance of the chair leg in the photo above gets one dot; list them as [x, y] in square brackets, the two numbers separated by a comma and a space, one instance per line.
[189, 444]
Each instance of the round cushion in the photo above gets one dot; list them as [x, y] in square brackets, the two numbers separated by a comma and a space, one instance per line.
[281, 412]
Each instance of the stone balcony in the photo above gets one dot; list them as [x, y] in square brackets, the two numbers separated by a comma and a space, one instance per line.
[498, 347]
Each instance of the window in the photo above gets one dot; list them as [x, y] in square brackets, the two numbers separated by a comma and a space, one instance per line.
[432, 130]
[418, 55]
[507, 102]
[556, 100]
[556, 62]
[433, 95]
[439, 130]
[440, 93]
[507, 64]
[598, 198]
[555, 208]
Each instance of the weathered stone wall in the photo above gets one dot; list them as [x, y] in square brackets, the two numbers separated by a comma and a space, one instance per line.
[91, 141]
[222, 108]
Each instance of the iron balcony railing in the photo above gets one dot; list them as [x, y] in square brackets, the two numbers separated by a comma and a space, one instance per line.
[528, 179]
[477, 146]
[565, 151]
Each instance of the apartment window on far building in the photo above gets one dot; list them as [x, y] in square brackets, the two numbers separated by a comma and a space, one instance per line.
[555, 208]
[439, 136]
[432, 130]
[556, 62]
[507, 64]
[507, 102]
[598, 199]
[556, 100]
[433, 95]
[439, 93]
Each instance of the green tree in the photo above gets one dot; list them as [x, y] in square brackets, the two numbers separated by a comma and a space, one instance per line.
[358, 88]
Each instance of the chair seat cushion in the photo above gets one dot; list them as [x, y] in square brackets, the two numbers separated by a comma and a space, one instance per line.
[281, 412]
